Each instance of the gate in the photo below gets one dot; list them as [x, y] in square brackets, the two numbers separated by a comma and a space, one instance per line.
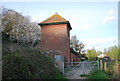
[59, 62]
[85, 66]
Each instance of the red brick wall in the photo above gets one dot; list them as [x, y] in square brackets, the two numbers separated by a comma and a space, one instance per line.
[55, 37]
[75, 57]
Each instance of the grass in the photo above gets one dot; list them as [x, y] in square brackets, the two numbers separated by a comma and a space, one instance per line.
[99, 74]
[93, 62]
[84, 75]
[67, 70]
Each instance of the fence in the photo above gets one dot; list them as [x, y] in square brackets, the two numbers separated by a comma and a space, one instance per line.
[83, 66]
[59, 62]
[69, 66]
[104, 63]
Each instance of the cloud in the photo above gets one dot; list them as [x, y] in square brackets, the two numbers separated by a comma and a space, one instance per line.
[100, 43]
[108, 19]
[111, 12]
[86, 27]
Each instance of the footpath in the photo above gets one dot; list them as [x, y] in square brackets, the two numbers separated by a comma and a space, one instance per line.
[75, 73]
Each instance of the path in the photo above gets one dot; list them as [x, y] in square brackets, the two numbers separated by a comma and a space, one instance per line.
[75, 74]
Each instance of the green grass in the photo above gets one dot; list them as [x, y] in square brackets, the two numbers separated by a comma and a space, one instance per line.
[93, 62]
[98, 75]
[84, 75]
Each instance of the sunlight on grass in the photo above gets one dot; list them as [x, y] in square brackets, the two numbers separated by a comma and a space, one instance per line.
[98, 75]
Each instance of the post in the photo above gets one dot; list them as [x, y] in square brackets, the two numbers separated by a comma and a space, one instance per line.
[98, 65]
[63, 67]
[101, 64]
[105, 66]
[83, 68]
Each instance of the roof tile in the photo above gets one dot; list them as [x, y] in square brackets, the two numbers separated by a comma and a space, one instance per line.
[54, 18]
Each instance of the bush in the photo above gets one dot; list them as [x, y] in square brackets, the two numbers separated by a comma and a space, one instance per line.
[113, 70]
[28, 64]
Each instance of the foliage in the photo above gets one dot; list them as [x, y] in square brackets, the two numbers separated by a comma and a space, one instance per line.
[20, 61]
[112, 52]
[78, 47]
[92, 54]
[113, 70]
[25, 63]
[112, 66]
[84, 75]
[99, 74]
[18, 27]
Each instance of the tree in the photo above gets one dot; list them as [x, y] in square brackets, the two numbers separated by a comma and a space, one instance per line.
[74, 42]
[18, 27]
[78, 47]
[99, 52]
[113, 52]
[91, 54]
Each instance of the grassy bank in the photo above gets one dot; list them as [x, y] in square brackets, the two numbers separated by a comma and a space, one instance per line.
[99, 74]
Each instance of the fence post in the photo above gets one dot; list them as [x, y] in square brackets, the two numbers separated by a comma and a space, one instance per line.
[83, 68]
[63, 67]
[98, 65]
[105, 66]
[101, 64]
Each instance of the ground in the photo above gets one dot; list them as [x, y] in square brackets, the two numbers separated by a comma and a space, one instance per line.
[75, 73]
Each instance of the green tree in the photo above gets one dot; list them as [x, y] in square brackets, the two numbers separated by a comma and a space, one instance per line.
[99, 52]
[91, 54]
[113, 52]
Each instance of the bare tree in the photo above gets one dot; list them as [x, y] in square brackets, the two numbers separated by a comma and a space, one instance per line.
[78, 47]
[74, 42]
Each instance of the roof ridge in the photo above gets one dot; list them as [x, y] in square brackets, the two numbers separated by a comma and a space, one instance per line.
[54, 18]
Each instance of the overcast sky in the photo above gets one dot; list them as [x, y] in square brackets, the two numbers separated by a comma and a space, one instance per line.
[94, 23]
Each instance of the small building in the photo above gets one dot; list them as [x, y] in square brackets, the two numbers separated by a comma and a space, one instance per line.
[55, 36]
[101, 55]
[74, 56]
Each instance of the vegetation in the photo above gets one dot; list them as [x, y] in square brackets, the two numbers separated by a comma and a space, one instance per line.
[19, 59]
[26, 63]
[112, 52]
[92, 54]
[113, 70]
[84, 75]
[78, 47]
[98, 75]
[113, 65]
[18, 27]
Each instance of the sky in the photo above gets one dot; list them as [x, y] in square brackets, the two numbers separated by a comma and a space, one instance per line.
[94, 23]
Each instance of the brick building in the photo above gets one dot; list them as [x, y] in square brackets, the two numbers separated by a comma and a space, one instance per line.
[74, 57]
[55, 35]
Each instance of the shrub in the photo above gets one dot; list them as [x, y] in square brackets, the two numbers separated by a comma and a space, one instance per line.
[99, 74]
[27, 63]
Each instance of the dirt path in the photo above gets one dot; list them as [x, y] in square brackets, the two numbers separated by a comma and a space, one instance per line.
[75, 74]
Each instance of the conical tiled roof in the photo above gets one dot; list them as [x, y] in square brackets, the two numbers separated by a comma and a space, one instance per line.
[55, 19]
